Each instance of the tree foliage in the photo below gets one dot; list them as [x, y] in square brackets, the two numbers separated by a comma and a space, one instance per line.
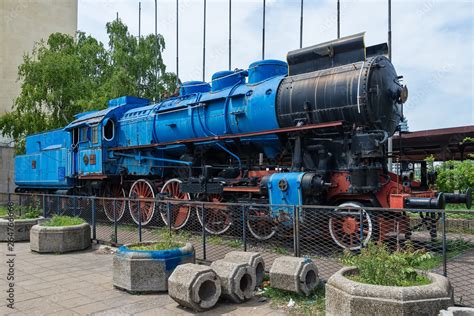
[455, 175]
[67, 75]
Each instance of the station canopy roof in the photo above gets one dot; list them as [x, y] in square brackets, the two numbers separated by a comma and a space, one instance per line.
[443, 144]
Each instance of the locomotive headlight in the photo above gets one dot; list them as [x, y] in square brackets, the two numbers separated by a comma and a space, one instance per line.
[403, 94]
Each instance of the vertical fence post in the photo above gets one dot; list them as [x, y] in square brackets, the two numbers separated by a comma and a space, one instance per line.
[296, 232]
[203, 216]
[445, 267]
[94, 228]
[44, 206]
[361, 230]
[115, 223]
[139, 222]
[75, 205]
[168, 214]
[244, 226]
[57, 205]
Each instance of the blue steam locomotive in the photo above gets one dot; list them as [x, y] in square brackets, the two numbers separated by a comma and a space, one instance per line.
[309, 131]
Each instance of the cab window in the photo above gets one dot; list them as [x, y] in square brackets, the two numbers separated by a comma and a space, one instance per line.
[83, 134]
[95, 134]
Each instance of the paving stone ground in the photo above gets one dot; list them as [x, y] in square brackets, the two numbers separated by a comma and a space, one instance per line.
[80, 283]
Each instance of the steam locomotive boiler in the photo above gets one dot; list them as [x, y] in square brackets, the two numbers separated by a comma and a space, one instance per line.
[312, 131]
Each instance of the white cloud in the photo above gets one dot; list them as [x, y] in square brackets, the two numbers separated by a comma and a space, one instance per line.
[432, 41]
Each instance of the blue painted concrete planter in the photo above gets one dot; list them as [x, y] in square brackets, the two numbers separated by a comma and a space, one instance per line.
[148, 270]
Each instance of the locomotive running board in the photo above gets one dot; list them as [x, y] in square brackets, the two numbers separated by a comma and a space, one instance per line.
[223, 137]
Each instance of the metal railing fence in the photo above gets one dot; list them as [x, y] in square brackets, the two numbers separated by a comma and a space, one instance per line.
[323, 233]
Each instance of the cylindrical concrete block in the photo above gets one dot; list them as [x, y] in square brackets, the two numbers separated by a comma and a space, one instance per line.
[253, 259]
[237, 280]
[194, 286]
[299, 275]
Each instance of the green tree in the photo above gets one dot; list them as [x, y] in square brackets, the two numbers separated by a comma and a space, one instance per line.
[68, 75]
[455, 175]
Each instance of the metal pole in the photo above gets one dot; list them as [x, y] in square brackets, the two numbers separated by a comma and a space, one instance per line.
[445, 267]
[263, 32]
[94, 226]
[156, 53]
[139, 19]
[204, 44]
[156, 18]
[390, 141]
[390, 29]
[115, 223]
[296, 251]
[301, 25]
[139, 222]
[244, 227]
[230, 34]
[117, 17]
[44, 206]
[203, 215]
[338, 19]
[361, 232]
[177, 42]
[168, 210]
[139, 36]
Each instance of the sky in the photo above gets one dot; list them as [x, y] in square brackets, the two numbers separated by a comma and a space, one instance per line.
[432, 40]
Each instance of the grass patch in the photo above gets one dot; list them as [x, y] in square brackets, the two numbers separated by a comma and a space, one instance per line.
[456, 207]
[58, 221]
[178, 236]
[161, 245]
[453, 249]
[32, 214]
[3, 211]
[417, 280]
[280, 250]
[314, 304]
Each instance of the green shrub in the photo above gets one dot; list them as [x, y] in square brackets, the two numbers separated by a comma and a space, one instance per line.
[455, 175]
[376, 265]
[63, 221]
[33, 213]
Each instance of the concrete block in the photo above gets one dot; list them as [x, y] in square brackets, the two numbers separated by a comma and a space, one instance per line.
[148, 271]
[298, 275]
[347, 297]
[60, 239]
[17, 230]
[457, 311]
[194, 286]
[253, 259]
[237, 280]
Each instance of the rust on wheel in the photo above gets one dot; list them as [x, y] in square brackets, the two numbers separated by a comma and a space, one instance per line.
[114, 208]
[179, 211]
[142, 201]
[345, 226]
[218, 216]
[261, 223]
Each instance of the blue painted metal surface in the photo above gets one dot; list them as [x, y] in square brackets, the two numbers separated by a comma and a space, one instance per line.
[47, 162]
[265, 69]
[285, 193]
[190, 87]
[231, 106]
